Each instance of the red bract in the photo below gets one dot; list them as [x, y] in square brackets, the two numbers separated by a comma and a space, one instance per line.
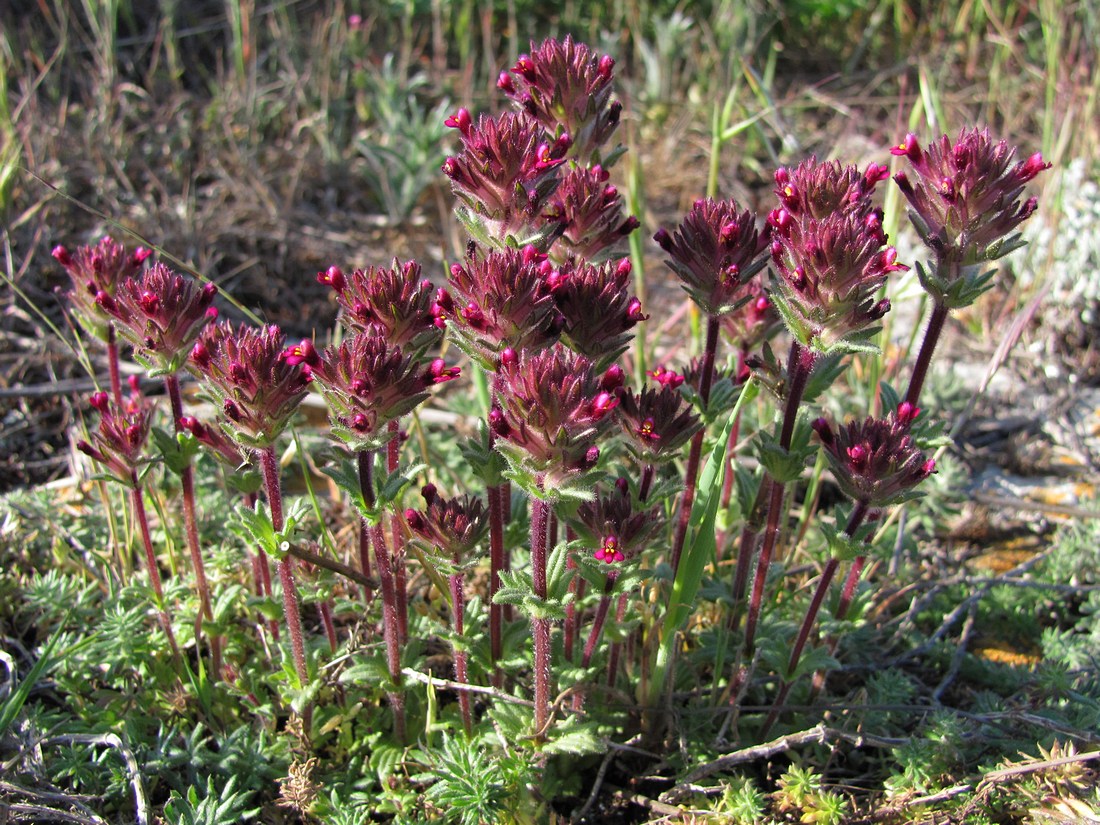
[965, 198]
[248, 375]
[451, 526]
[396, 300]
[161, 314]
[500, 301]
[507, 170]
[817, 190]
[121, 435]
[657, 423]
[96, 270]
[368, 382]
[591, 210]
[612, 526]
[714, 252]
[566, 87]
[599, 308]
[875, 461]
[553, 408]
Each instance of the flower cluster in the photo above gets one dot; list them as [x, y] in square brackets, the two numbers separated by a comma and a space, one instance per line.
[504, 176]
[95, 272]
[657, 423]
[829, 252]
[566, 87]
[450, 526]
[121, 435]
[553, 408]
[161, 314]
[714, 252]
[591, 210]
[966, 197]
[501, 300]
[610, 524]
[396, 301]
[875, 461]
[598, 308]
[368, 382]
[251, 378]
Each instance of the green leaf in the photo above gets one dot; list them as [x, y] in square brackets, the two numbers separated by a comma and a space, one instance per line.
[579, 738]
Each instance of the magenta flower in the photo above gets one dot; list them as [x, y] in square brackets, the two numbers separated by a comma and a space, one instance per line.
[599, 308]
[249, 376]
[396, 300]
[502, 300]
[121, 435]
[666, 377]
[618, 533]
[965, 199]
[566, 87]
[875, 461]
[452, 527]
[553, 408]
[714, 252]
[368, 382]
[591, 210]
[161, 314]
[504, 176]
[656, 423]
[97, 271]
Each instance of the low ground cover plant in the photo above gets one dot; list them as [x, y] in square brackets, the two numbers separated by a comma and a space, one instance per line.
[597, 556]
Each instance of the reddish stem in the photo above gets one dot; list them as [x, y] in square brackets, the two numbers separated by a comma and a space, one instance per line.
[390, 629]
[691, 474]
[364, 534]
[270, 466]
[400, 571]
[496, 564]
[540, 516]
[928, 346]
[112, 365]
[799, 367]
[595, 631]
[142, 518]
[458, 605]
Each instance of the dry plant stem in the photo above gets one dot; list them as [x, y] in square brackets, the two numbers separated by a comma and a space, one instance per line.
[142, 519]
[458, 608]
[927, 348]
[859, 512]
[691, 474]
[390, 629]
[540, 517]
[799, 366]
[270, 465]
[187, 482]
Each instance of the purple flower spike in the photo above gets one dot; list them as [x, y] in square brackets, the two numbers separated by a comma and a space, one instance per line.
[965, 197]
[505, 302]
[398, 301]
[656, 423]
[453, 527]
[599, 309]
[504, 177]
[612, 526]
[96, 272]
[875, 461]
[714, 252]
[121, 435]
[368, 382]
[161, 314]
[567, 87]
[591, 211]
[552, 412]
[250, 376]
